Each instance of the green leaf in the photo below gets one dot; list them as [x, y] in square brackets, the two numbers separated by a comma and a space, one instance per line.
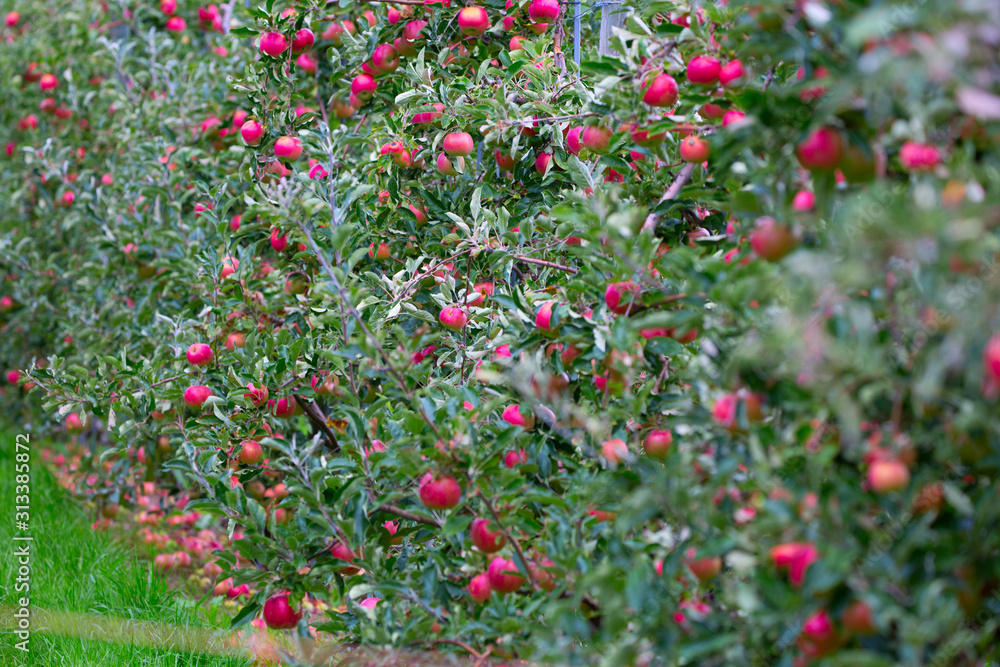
[455, 524]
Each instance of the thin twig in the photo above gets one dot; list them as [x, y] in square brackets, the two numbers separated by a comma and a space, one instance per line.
[548, 119]
[174, 378]
[541, 262]
[510, 538]
[769, 78]
[409, 516]
[455, 642]
[653, 219]
[317, 417]
[227, 16]
[345, 299]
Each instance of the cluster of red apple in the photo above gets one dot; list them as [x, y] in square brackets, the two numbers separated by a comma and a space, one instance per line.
[208, 18]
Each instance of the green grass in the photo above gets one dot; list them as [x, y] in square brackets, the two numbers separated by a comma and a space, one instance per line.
[76, 569]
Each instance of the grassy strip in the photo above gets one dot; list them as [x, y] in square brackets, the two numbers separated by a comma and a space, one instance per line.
[76, 569]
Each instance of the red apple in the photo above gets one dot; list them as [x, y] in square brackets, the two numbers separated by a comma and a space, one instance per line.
[445, 166]
[657, 443]
[381, 253]
[453, 318]
[858, 618]
[821, 150]
[439, 493]
[484, 539]
[484, 290]
[458, 143]
[796, 557]
[285, 408]
[662, 92]
[341, 551]
[620, 297]
[704, 568]
[504, 576]
[504, 161]
[516, 416]
[819, 637]
[325, 386]
[278, 241]
[412, 30]
[615, 450]
[704, 70]
[199, 354]
[73, 423]
[403, 159]
[363, 87]
[916, 157]
[991, 358]
[288, 149]
[176, 24]
[385, 58]
[732, 74]
[307, 63]
[712, 111]
[428, 117]
[889, 475]
[256, 395]
[543, 319]
[596, 139]
[645, 139]
[542, 575]
[196, 395]
[342, 109]
[473, 21]
[543, 10]
[512, 459]
[334, 33]
[726, 409]
[251, 452]
[772, 240]
[223, 587]
[273, 44]
[419, 214]
[695, 149]
[479, 588]
[235, 340]
[303, 41]
[573, 144]
[804, 200]
[732, 117]
[279, 613]
[542, 162]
